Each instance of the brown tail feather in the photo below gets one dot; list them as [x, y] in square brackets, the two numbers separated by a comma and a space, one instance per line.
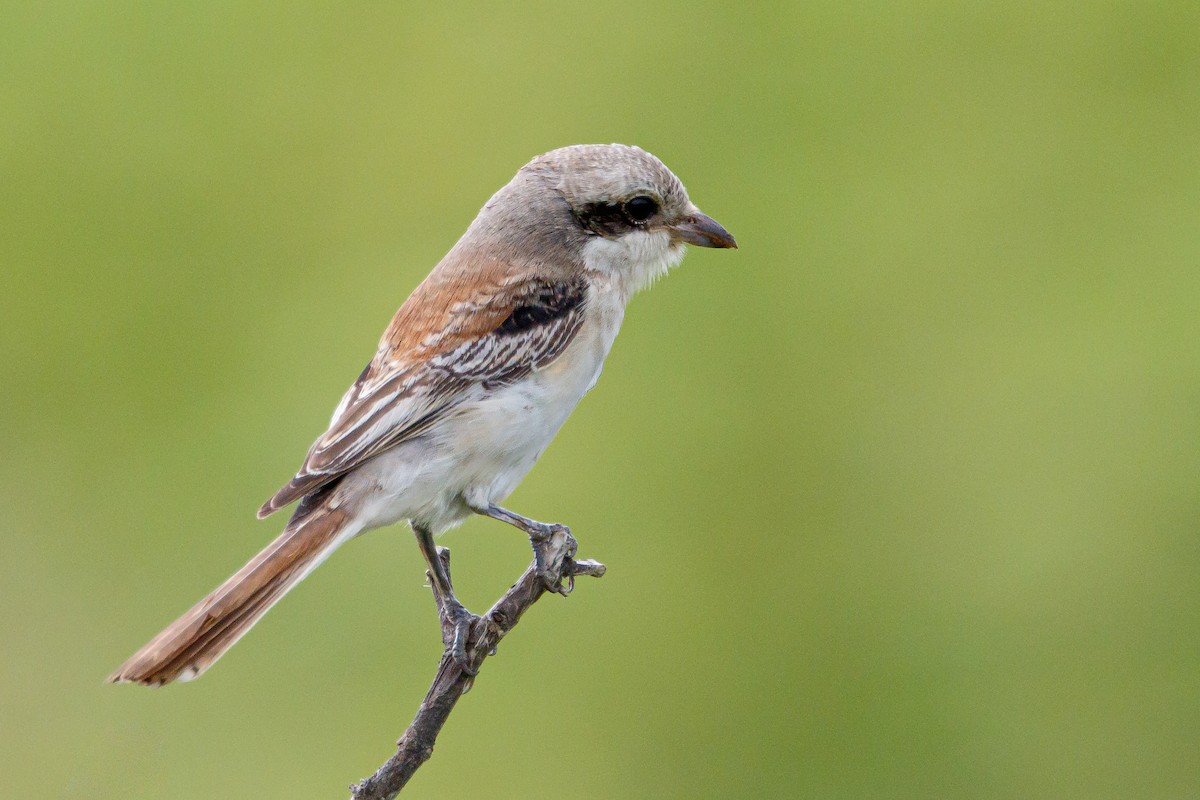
[193, 643]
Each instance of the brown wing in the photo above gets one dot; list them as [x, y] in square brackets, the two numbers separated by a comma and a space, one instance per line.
[447, 345]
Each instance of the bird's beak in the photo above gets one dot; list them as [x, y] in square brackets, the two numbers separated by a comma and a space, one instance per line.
[702, 230]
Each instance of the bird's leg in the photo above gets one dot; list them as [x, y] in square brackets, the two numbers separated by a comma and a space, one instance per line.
[455, 611]
[548, 564]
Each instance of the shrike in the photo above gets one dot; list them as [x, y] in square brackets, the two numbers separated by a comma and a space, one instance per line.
[473, 377]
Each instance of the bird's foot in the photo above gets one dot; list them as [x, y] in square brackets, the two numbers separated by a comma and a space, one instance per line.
[553, 548]
[456, 631]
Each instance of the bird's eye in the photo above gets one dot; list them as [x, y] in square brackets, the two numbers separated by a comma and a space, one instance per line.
[640, 208]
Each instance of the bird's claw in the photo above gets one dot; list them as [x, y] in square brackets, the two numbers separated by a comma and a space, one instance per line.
[550, 562]
[461, 620]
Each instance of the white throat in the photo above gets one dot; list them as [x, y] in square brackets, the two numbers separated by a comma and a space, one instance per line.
[632, 261]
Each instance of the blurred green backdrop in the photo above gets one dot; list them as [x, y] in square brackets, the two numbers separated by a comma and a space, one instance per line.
[898, 501]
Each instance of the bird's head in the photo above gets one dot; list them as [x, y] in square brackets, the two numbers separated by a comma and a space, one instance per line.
[612, 209]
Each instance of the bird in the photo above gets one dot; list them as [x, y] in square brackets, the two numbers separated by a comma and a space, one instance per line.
[472, 379]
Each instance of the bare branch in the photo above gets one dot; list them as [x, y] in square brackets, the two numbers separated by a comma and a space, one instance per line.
[451, 681]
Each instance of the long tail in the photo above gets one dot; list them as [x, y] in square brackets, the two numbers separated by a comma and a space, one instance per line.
[193, 643]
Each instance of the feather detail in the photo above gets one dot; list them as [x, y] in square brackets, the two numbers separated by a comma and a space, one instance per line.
[193, 643]
[488, 338]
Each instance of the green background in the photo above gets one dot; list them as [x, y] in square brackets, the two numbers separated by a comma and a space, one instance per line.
[898, 501]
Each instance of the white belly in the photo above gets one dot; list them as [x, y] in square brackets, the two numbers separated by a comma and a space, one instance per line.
[478, 454]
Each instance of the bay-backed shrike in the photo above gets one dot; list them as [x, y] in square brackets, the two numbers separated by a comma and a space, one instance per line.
[473, 377]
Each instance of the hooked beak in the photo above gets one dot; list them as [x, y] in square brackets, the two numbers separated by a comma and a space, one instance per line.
[701, 230]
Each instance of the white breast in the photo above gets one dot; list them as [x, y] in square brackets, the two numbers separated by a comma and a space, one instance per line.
[502, 436]
[480, 452]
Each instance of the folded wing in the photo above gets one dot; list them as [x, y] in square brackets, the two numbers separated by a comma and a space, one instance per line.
[449, 343]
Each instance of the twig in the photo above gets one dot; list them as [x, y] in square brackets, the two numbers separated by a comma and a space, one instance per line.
[451, 680]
